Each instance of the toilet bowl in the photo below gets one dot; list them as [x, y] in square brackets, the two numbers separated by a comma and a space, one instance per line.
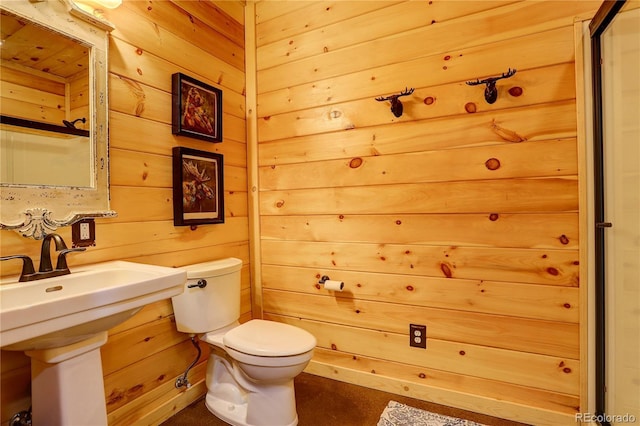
[252, 365]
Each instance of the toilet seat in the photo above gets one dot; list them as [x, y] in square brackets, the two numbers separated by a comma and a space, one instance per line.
[266, 343]
[269, 338]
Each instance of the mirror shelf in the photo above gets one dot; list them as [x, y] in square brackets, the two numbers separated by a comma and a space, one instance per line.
[38, 205]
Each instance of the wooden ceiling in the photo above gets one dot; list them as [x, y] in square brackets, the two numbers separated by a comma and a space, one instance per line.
[34, 48]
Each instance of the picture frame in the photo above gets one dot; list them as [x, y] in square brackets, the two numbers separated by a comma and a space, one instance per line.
[198, 187]
[196, 109]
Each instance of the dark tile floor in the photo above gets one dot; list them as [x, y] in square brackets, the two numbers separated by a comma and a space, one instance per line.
[325, 402]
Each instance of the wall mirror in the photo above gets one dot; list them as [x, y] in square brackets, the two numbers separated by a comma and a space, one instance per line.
[53, 117]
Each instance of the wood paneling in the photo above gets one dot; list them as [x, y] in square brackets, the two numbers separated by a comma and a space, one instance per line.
[515, 402]
[534, 123]
[144, 355]
[460, 215]
[521, 230]
[545, 302]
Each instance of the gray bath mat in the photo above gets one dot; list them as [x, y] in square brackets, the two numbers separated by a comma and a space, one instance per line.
[397, 414]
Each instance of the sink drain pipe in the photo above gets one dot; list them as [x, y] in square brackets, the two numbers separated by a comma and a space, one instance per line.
[183, 380]
[22, 418]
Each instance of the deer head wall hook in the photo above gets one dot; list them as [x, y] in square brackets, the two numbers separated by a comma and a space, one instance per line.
[490, 91]
[396, 105]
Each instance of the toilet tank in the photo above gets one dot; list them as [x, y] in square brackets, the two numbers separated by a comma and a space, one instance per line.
[214, 305]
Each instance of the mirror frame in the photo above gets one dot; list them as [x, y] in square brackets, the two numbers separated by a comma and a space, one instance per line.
[35, 211]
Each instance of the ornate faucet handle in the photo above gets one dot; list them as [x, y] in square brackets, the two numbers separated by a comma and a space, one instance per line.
[27, 265]
[62, 258]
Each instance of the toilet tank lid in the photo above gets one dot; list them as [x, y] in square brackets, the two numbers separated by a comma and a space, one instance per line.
[213, 268]
[269, 339]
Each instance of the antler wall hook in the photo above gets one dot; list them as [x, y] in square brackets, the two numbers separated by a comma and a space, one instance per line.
[396, 105]
[490, 91]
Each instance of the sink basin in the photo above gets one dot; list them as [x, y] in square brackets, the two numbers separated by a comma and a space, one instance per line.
[61, 311]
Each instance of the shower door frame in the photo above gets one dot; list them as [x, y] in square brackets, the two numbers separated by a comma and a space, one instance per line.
[604, 16]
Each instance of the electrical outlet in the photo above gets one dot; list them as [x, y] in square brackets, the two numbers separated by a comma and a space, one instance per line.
[418, 336]
[83, 233]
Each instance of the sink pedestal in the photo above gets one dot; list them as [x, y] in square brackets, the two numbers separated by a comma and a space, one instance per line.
[67, 385]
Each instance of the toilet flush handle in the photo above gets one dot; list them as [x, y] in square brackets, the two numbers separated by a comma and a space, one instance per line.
[202, 283]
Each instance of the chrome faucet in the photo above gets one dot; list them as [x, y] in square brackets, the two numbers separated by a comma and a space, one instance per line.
[46, 269]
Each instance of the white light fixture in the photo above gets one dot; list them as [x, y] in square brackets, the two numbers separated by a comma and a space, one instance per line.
[109, 4]
[93, 11]
[100, 4]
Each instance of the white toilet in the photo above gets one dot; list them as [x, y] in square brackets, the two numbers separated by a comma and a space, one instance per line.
[251, 367]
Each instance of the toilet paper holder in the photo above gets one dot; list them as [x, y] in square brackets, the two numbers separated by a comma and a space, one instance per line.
[329, 284]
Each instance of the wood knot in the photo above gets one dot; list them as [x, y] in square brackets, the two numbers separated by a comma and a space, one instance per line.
[139, 51]
[355, 162]
[563, 239]
[463, 353]
[492, 164]
[470, 107]
[429, 100]
[334, 347]
[553, 271]
[493, 217]
[409, 287]
[422, 376]
[280, 203]
[446, 270]
[398, 222]
[515, 91]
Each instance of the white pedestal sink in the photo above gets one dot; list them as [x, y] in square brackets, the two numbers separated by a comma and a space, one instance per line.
[61, 323]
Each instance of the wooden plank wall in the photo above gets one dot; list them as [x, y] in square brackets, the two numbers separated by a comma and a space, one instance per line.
[153, 40]
[32, 96]
[459, 215]
[49, 100]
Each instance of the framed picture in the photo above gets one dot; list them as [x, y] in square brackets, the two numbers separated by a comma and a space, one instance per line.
[196, 109]
[198, 189]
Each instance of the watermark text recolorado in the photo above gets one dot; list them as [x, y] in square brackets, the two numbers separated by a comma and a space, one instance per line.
[600, 418]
